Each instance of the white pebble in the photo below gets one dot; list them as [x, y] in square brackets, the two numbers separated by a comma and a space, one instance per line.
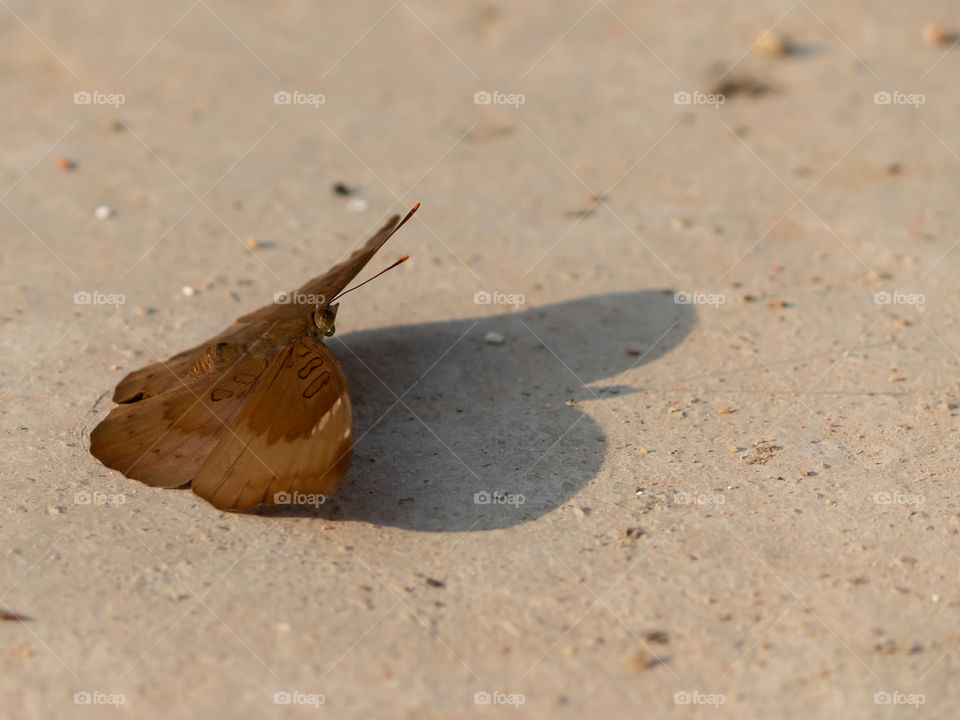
[103, 212]
[495, 338]
[188, 291]
[357, 205]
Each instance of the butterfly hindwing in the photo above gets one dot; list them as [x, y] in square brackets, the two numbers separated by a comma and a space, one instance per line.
[169, 374]
[163, 439]
[293, 435]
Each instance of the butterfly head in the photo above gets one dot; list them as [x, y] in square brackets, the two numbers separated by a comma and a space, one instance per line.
[325, 318]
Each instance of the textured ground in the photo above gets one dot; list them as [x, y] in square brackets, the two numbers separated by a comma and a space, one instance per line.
[741, 506]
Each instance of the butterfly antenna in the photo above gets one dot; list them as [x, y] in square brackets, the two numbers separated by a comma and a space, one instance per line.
[356, 287]
[403, 259]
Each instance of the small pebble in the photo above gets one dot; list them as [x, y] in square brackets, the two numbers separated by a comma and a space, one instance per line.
[103, 212]
[657, 636]
[938, 36]
[494, 338]
[65, 164]
[344, 189]
[357, 205]
[772, 44]
[188, 291]
[253, 244]
[641, 661]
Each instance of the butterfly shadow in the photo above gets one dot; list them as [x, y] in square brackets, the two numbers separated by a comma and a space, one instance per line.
[455, 432]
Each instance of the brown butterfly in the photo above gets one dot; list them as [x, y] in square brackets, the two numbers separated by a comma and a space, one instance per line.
[257, 415]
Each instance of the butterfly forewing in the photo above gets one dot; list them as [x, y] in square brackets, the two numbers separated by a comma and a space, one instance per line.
[336, 279]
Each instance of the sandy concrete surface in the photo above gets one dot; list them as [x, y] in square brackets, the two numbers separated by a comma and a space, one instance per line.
[739, 501]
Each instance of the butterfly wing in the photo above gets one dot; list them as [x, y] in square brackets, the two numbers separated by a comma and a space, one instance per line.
[293, 435]
[336, 279]
[162, 440]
